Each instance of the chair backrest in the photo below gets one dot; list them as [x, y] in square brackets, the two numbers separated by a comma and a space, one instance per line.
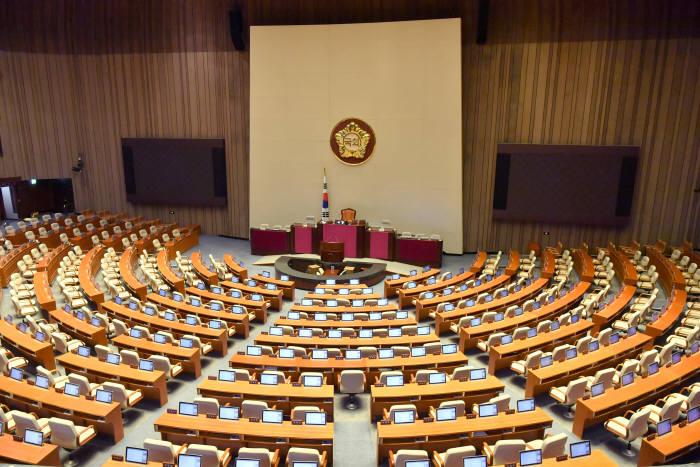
[367, 351]
[554, 445]
[63, 433]
[575, 389]
[118, 392]
[299, 412]
[252, 408]
[81, 381]
[397, 407]
[404, 455]
[352, 381]
[671, 409]
[209, 454]
[637, 425]
[261, 454]
[459, 405]
[159, 450]
[207, 405]
[347, 214]
[23, 421]
[604, 336]
[646, 359]
[423, 376]
[559, 352]
[129, 357]
[533, 359]
[507, 451]
[296, 454]
[385, 374]
[605, 376]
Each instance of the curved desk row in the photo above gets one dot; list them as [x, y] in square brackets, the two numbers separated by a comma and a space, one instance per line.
[87, 271]
[344, 342]
[286, 396]
[128, 262]
[372, 367]
[392, 286]
[470, 336]
[258, 308]
[27, 346]
[235, 434]
[8, 261]
[424, 396]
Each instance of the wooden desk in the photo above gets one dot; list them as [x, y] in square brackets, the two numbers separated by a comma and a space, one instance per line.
[669, 275]
[12, 451]
[175, 281]
[241, 322]
[624, 269]
[470, 336]
[27, 346]
[372, 367]
[82, 330]
[379, 243]
[351, 235]
[127, 263]
[89, 266]
[344, 342]
[235, 268]
[189, 358]
[152, 384]
[218, 338]
[406, 296]
[392, 286]
[207, 275]
[287, 287]
[107, 418]
[642, 391]
[425, 395]
[439, 436]
[664, 449]
[421, 252]
[273, 296]
[426, 308]
[601, 318]
[669, 317]
[285, 396]
[344, 309]
[541, 379]
[355, 324]
[597, 458]
[189, 238]
[45, 273]
[444, 320]
[257, 308]
[501, 356]
[326, 296]
[583, 264]
[220, 433]
[270, 242]
[8, 262]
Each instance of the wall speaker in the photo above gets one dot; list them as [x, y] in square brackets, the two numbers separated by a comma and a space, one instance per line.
[500, 189]
[625, 189]
[235, 19]
[129, 177]
[482, 21]
[218, 156]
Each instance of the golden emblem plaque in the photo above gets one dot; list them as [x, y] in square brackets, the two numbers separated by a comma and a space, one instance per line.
[352, 141]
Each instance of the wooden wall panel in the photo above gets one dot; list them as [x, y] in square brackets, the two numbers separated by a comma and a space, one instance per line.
[77, 75]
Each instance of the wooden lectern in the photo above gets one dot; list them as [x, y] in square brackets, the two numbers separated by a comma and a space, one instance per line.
[332, 252]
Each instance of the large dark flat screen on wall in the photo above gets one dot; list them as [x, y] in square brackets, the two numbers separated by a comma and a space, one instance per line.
[175, 171]
[592, 185]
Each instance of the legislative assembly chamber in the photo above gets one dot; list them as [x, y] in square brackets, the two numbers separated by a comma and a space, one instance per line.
[308, 233]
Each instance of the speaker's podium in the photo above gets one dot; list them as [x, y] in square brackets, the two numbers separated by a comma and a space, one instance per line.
[332, 252]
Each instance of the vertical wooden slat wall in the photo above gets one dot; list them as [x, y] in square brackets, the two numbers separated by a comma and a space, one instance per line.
[77, 75]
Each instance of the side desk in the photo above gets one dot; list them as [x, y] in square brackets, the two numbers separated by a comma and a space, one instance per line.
[27, 346]
[17, 452]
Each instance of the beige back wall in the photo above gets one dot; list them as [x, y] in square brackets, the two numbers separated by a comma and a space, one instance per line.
[403, 79]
